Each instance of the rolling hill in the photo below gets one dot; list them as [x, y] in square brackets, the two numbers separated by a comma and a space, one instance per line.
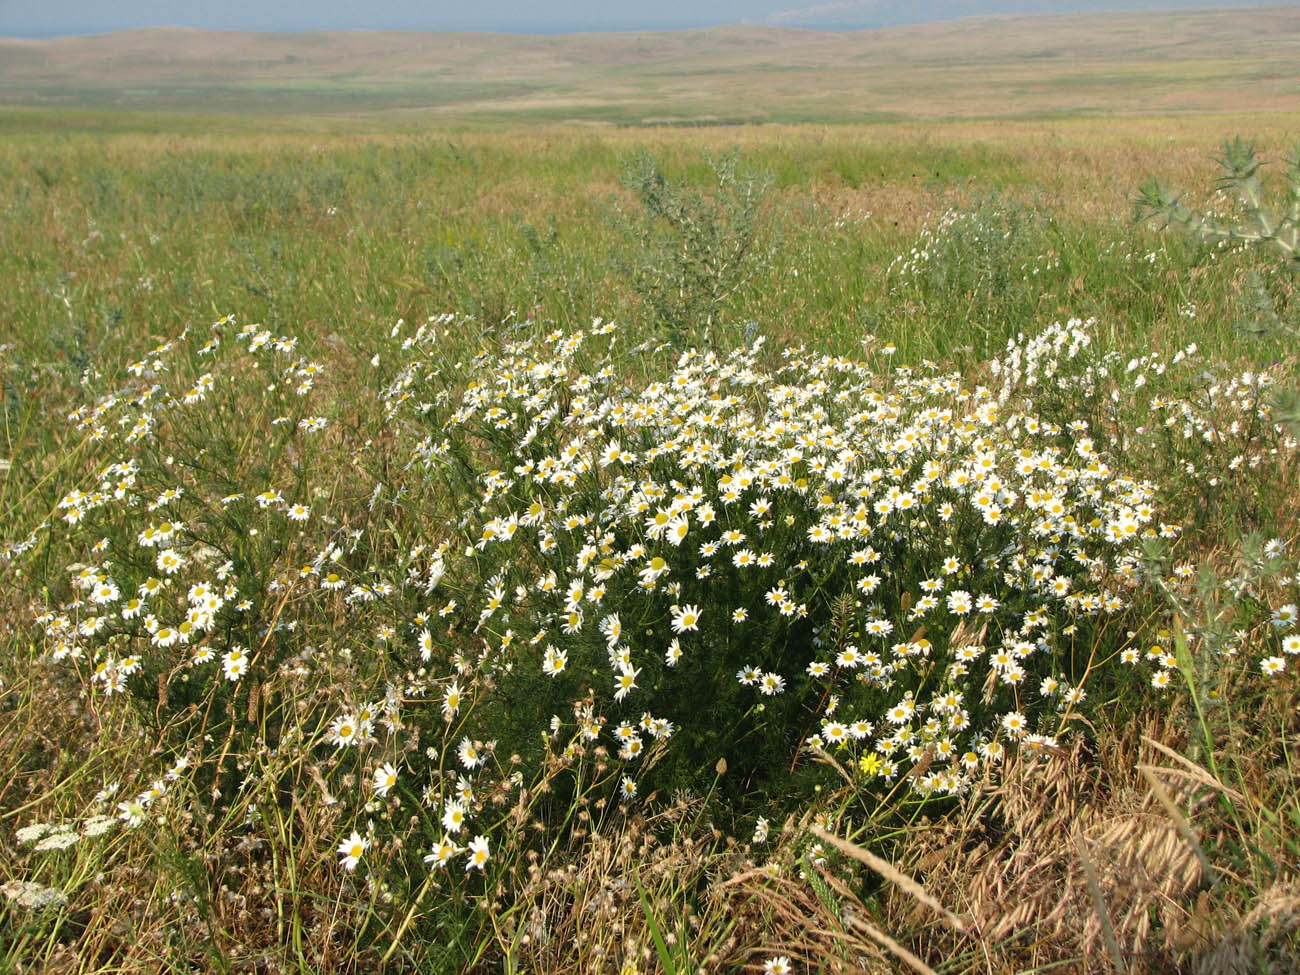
[1191, 61]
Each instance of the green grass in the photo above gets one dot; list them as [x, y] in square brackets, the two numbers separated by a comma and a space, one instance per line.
[117, 230]
[111, 236]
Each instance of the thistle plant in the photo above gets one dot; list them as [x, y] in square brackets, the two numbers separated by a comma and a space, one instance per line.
[695, 250]
[1263, 225]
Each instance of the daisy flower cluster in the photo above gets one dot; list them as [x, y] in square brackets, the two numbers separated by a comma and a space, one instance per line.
[1215, 425]
[896, 569]
[1228, 425]
[178, 564]
[213, 578]
[784, 560]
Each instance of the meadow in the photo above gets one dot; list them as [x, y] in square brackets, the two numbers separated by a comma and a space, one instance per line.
[436, 543]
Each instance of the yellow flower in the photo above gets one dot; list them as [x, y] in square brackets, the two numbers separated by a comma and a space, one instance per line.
[870, 764]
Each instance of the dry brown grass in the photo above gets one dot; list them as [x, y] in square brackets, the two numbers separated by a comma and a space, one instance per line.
[1074, 850]
[1063, 817]
[604, 904]
[1083, 859]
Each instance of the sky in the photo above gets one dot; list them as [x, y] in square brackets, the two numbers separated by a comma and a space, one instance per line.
[38, 18]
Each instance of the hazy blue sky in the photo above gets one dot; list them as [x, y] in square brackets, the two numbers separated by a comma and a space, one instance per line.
[44, 17]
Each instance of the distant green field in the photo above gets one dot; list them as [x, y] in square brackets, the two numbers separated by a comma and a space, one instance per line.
[1241, 61]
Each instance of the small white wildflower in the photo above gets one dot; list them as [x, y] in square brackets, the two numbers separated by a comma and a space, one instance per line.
[26, 893]
[351, 850]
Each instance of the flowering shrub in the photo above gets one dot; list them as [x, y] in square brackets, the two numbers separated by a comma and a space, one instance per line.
[894, 571]
[1196, 428]
[191, 540]
[969, 251]
[542, 584]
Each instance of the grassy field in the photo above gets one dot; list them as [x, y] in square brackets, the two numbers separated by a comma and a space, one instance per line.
[1237, 61]
[294, 676]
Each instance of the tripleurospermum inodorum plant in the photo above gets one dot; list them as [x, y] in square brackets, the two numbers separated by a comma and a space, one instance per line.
[190, 542]
[542, 593]
[893, 569]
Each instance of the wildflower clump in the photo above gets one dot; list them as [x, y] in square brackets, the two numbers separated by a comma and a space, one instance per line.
[1198, 426]
[187, 542]
[544, 586]
[896, 572]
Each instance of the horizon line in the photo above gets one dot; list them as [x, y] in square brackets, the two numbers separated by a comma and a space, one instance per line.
[567, 30]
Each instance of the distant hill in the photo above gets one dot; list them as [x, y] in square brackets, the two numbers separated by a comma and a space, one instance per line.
[1245, 60]
[858, 14]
